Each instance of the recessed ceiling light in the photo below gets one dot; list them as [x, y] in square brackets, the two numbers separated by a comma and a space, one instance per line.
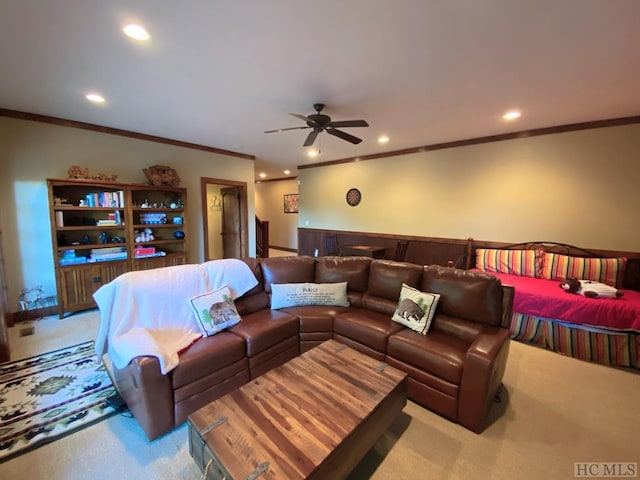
[262, 175]
[312, 153]
[94, 97]
[512, 115]
[383, 139]
[287, 172]
[136, 32]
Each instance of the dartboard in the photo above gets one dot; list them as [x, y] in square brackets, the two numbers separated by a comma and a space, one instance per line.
[353, 197]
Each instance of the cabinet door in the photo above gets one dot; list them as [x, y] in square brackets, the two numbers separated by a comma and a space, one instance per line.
[107, 271]
[77, 287]
[78, 283]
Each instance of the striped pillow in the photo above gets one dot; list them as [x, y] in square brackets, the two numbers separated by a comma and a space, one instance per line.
[604, 270]
[515, 262]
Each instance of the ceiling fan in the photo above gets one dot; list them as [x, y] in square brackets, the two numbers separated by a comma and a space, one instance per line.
[320, 123]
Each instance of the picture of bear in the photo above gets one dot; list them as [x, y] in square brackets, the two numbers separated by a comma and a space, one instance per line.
[222, 312]
[409, 310]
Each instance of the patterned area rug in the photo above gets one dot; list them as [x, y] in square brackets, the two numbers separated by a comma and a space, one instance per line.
[45, 397]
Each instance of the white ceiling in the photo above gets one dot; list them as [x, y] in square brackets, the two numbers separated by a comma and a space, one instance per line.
[219, 73]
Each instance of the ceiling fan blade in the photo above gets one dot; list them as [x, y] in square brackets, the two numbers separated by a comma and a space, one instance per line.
[348, 123]
[343, 135]
[311, 138]
[301, 117]
[285, 129]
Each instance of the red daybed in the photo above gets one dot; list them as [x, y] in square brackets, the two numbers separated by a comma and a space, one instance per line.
[601, 330]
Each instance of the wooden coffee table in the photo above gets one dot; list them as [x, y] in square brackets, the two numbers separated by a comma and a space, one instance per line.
[315, 417]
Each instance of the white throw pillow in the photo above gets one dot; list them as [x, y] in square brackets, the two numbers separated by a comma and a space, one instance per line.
[299, 294]
[215, 311]
[415, 309]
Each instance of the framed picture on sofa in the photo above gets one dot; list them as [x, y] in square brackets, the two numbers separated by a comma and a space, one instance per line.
[291, 203]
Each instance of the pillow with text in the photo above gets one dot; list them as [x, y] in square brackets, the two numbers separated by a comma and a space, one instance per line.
[300, 294]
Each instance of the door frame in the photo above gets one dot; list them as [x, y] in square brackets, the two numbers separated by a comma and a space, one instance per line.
[4, 313]
[244, 212]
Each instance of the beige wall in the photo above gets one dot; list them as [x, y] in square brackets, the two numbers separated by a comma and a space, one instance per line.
[283, 227]
[578, 187]
[31, 152]
[581, 188]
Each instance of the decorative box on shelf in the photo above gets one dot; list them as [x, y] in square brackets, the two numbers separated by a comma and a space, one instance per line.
[153, 218]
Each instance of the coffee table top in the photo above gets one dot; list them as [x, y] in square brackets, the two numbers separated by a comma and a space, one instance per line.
[294, 416]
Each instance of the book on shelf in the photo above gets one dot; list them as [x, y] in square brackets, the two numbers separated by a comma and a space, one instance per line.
[106, 257]
[103, 250]
[107, 253]
[72, 260]
[112, 219]
[149, 255]
[140, 250]
[105, 199]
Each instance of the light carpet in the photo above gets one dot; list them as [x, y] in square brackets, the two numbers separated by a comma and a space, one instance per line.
[45, 397]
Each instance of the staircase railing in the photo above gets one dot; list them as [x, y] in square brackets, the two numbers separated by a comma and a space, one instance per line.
[262, 238]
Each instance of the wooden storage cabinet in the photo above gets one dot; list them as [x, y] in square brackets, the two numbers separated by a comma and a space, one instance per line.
[97, 234]
[77, 284]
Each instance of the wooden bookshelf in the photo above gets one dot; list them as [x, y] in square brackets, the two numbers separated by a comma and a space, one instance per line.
[97, 227]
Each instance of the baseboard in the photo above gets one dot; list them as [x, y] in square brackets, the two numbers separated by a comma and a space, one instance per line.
[24, 315]
[285, 249]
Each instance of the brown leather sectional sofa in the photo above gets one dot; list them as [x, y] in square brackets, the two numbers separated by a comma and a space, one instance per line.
[454, 370]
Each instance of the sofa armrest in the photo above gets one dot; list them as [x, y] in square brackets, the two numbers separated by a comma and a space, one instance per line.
[148, 394]
[484, 369]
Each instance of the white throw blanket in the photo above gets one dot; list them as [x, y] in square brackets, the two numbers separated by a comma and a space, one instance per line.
[148, 312]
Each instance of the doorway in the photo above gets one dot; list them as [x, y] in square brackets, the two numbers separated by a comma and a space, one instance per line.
[225, 218]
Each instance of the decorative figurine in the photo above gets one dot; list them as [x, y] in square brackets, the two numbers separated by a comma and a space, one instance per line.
[159, 175]
[145, 236]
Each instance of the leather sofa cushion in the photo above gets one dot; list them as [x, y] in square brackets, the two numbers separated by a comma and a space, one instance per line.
[456, 327]
[469, 295]
[256, 298]
[254, 265]
[315, 336]
[426, 379]
[207, 355]
[287, 270]
[379, 305]
[205, 383]
[247, 303]
[437, 353]
[315, 318]
[366, 327]
[265, 328]
[353, 270]
[386, 278]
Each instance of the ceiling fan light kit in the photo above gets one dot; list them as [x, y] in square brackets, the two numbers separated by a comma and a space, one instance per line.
[322, 123]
